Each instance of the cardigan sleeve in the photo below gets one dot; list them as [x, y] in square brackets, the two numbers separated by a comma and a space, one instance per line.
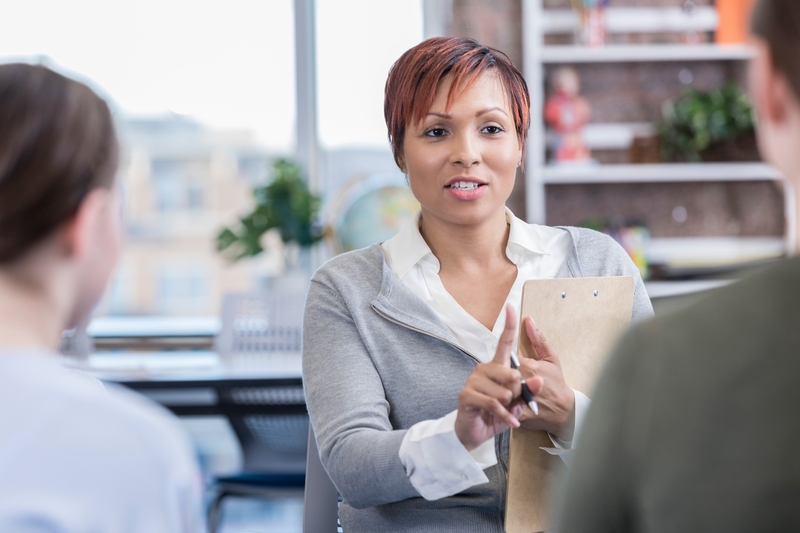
[642, 306]
[348, 407]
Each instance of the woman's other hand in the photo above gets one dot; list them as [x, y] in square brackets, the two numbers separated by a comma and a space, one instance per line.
[556, 399]
[490, 401]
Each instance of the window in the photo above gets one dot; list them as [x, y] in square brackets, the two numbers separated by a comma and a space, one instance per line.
[182, 288]
[357, 43]
[196, 87]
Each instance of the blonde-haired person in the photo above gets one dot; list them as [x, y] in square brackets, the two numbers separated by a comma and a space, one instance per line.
[694, 425]
[74, 456]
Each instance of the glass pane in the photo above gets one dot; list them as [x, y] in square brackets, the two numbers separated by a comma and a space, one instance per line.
[204, 97]
[357, 43]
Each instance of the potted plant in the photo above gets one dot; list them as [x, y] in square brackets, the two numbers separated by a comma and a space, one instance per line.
[709, 126]
[284, 203]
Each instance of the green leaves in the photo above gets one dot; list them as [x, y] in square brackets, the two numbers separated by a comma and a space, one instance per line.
[285, 203]
[700, 119]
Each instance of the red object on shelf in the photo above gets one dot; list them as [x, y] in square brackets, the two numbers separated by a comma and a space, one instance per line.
[568, 113]
[734, 21]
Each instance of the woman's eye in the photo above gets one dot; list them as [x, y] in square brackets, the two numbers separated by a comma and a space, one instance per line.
[492, 129]
[436, 132]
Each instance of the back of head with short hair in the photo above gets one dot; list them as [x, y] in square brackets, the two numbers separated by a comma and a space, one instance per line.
[778, 23]
[414, 78]
[57, 144]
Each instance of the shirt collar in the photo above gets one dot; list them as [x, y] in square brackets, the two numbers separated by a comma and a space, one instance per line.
[524, 240]
[407, 247]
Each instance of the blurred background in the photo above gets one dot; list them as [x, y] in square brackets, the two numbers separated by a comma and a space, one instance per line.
[208, 97]
[205, 96]
[254, 149]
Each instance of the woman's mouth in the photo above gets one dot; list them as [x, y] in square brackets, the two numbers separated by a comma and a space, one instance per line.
[465, 185]
[466, 190]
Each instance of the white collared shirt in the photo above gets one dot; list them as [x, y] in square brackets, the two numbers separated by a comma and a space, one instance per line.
[434, 458]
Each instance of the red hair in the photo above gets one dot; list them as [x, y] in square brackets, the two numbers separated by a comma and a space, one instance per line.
[414, 78]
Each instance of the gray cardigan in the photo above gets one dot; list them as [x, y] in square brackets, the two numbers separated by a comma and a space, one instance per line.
[377, 360]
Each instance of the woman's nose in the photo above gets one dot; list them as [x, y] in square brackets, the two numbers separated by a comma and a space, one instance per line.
[465, 151]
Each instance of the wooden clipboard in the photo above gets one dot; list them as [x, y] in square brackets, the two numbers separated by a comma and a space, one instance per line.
[581, 318]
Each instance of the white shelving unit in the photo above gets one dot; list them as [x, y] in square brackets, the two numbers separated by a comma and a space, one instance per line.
[538, 22]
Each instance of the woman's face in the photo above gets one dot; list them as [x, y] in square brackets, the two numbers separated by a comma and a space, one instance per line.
[461, 165]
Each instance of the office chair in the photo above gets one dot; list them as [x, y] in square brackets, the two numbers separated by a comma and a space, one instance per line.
[271, 423]
[321, 499]
[255, 325]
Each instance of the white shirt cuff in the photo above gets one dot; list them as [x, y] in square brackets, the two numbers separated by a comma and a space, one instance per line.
[564, 448]
[437, 463]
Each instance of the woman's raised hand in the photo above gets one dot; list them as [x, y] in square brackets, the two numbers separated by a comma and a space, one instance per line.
[490, 401]
[556, 399]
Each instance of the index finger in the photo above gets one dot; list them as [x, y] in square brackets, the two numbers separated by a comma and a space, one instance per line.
[502, 355]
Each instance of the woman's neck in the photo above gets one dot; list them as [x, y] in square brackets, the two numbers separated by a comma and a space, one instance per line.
[463, 246]
[30, 319]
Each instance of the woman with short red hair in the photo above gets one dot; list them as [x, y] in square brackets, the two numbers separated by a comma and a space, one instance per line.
[407, 343]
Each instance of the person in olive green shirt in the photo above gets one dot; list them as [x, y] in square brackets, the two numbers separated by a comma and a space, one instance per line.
[695, 422]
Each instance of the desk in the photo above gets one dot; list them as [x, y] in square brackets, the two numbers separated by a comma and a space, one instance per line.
[260, 395]
[179, 366]
[153, 332]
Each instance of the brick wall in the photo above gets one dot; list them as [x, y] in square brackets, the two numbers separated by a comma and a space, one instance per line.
[728, 209]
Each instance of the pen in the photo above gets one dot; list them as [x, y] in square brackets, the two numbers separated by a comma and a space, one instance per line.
[527, 395]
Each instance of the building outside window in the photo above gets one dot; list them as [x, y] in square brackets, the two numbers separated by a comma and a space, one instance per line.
[193, 87]
[204, 98]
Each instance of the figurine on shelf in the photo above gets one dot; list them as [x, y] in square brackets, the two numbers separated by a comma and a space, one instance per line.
[591, 16]
[566, 112]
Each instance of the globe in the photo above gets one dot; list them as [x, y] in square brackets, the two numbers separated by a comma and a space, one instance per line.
[375, 216]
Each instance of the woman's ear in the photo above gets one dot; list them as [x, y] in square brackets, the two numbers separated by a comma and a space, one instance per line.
[769, 87]
[81, 230]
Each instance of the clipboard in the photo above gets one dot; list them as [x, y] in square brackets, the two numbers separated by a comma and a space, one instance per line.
[581, 318]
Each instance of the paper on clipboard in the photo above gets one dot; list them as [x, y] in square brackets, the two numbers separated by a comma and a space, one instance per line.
[581, 318]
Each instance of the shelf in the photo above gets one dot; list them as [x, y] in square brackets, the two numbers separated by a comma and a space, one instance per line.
[645, 53]
[670, 289]
[609, 136]
[713, 252]
[658, 173]
[637, 20]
